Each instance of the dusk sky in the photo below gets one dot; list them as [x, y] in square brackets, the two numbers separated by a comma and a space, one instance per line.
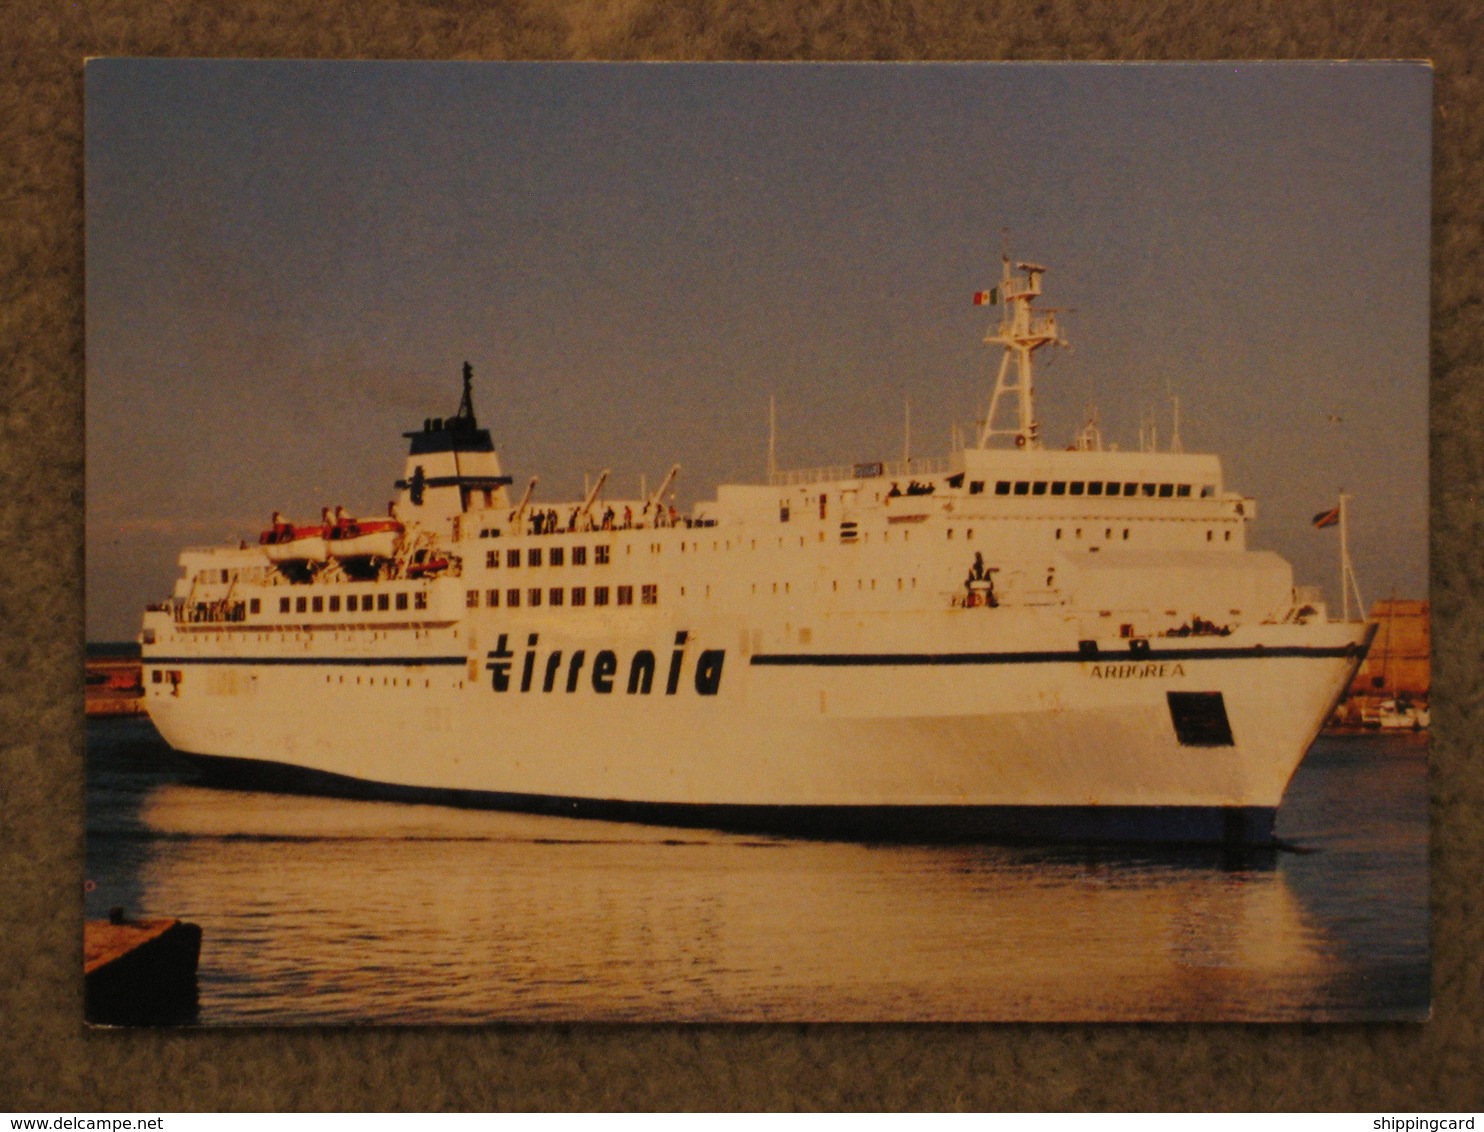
[289, 262]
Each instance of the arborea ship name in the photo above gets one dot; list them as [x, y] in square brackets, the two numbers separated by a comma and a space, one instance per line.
[1015, 641]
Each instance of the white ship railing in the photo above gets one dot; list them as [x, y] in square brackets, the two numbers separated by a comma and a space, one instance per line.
[873, 470]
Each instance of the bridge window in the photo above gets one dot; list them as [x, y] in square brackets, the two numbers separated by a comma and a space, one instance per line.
[492, 598]
[491, 559]
[533, 556]
[512, 558]
[1002, 487]
[554, 596]
[1059, 487]
[420, 599]
[283, 605]
[1208, 491]
[1022, 487]
[1130, 489]
[579, 595]
[1095, 488]
[976, 487]
[335, 603]
[625, 595]
[535, 595]
[579, 556]
[650, 595]
[383, 602]
[512, 599]
[1182, 491]
[558, 556]
[600, 555]
[600, 595]
[1038, 488]
[318, 605]
[1166, 490]
[402, 600]
[1076, 487]
[471, 599]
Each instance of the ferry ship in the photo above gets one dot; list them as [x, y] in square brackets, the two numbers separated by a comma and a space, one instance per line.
[1015, 642]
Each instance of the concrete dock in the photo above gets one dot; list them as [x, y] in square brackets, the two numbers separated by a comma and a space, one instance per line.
[140, 972]
[113, 686]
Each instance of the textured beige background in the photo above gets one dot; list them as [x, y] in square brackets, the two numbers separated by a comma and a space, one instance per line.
[48, 1062]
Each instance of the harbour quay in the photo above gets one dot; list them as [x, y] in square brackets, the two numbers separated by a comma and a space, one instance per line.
[1392, 687]
[113, 683]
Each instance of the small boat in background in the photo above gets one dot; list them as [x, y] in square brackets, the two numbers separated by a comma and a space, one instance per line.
[1402, 715]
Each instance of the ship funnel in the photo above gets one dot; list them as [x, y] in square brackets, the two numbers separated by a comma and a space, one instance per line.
[452, 467]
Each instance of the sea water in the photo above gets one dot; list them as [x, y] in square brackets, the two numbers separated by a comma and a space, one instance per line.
[322, 910]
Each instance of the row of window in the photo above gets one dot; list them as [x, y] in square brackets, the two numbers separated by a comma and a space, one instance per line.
[557, 595]
[1092, 487]
[1108, 534]
[364, 603]
[553, 556]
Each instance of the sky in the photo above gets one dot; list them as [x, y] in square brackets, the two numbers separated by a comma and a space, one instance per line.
[288, 264]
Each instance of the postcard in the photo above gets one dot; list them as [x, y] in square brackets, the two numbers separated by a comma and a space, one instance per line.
[789, 542]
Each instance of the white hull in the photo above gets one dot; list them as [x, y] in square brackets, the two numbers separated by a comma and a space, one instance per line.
[830, 727]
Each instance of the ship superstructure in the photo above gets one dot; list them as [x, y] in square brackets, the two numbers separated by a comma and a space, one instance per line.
[1012, 642]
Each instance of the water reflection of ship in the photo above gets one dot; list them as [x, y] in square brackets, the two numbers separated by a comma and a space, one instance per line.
[715, 927]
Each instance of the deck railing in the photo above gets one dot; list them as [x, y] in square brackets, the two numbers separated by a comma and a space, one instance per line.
[834, 473]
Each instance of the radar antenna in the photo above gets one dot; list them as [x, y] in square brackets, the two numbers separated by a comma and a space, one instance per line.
[466, 406]
[1022, 332]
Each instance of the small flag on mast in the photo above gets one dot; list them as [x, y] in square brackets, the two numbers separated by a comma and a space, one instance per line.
[1327, 518]
[987, 298]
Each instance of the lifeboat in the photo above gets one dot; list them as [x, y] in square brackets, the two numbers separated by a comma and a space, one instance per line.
[285, 543]
[348, 537]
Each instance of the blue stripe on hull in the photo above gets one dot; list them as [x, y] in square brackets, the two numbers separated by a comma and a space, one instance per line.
[1096, 656]
[311, 661]
[1174, 825]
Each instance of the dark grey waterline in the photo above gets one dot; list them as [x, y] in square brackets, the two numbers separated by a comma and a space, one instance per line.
[1230, 826]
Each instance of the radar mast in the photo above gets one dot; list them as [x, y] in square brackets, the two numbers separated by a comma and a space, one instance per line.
[1022, 331]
